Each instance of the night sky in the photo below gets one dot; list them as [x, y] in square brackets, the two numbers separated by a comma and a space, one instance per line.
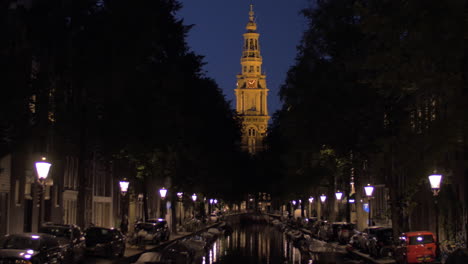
[217, 35]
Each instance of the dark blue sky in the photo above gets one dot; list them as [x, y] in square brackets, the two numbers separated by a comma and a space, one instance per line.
[217, 35]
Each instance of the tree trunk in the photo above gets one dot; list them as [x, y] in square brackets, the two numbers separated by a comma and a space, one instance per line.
[145, 200]
[174, 213]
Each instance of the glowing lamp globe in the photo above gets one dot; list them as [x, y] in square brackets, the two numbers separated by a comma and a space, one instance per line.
[323, 197]
[42, 168]
[369, 189]
[435, 180]
[194, 197]
[163, 192]
[124, 185]
[338, 195]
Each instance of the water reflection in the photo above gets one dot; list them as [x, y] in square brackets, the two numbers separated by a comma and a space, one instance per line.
[251, 244]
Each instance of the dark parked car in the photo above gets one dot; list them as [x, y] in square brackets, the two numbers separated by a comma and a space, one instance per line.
[152, 232]
[71, 236]
[345, 232]
[31, 248]
[380, 242]
[107, 242]
[363, 237]
[329, 231]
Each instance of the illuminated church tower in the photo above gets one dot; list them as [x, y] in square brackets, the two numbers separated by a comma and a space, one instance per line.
[251, 92]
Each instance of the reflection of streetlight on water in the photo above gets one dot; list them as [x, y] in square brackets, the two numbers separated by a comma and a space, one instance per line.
[42, 169]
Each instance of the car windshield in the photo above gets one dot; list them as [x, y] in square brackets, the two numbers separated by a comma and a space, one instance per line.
[20, 242]
[56, 231]
[148, 227]
[422, 239]
[98, 234]
[384, 233]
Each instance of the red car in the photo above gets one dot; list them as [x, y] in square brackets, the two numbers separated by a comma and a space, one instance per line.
[416, 247]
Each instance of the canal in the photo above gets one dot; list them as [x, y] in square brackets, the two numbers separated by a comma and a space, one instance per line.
[252, 243]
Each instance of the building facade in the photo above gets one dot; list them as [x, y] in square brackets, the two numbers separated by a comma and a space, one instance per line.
[251, 91]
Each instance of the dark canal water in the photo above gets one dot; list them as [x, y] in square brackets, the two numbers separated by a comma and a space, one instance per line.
[265, 244]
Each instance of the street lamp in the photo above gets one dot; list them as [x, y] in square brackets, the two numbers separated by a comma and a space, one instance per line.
[210, 205]
[339, 195]
[124, 186]
[323, 198]
[42, 169]
[180, 195]
[123, 190]
[435, 181]
[194, 199]
[163, 192]
[369, 189]
[311, 200]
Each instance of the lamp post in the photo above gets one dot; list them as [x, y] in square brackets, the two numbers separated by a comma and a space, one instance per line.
[323, 198]
[163, 192]
[338, 196]
[194, 199]
[435, 181]
[369, 189]
[180, 195]
[311, 200]
[42, 169]
[124, 219]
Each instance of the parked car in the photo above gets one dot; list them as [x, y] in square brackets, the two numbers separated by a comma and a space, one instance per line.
[334, 230]
[363, 237]
[31, 248]
[152, 232]
[345, 232]
[380, 243]
[323, 230]
[354, 240]
[416, 247]
[107, 242]
[71, 236]
[308, 223]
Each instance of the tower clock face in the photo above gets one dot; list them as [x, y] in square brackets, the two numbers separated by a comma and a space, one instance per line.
[251, 83]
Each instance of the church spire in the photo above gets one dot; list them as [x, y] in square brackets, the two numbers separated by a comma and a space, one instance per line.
[251, 25]
[251, 91]
[251, 14]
